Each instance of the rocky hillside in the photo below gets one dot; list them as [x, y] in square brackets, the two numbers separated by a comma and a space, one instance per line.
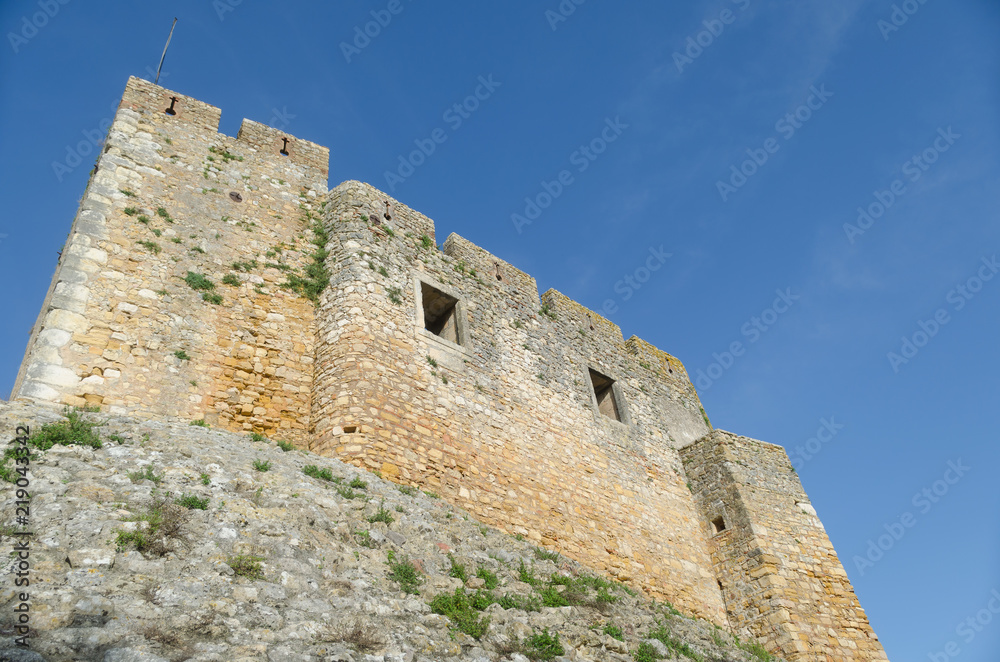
[163, 540]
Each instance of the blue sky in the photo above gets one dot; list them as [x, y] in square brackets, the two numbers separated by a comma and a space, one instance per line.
[824, 109]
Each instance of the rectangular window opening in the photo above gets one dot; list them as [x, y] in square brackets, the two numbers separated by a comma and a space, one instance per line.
[718, 525]
[605, 393]
[440, 313]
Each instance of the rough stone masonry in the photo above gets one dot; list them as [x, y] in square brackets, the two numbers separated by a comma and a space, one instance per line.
[216, 278]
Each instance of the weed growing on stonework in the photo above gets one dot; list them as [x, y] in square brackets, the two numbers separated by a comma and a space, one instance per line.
[200, 423]
[257, 436]
[395, 295]
[545, 310]
[645, 653]
[426, 241]
[74, 431]
[347, 493]
[247, 565]
[457, 570]
[150, 246]
[543, 646]
[205, 479]
[212, 298]
[245, 266]
[673, 645]
[198, 281]
[363, 636]
[407, 490]
[382, 515]
[130, 211]
[163, 519]
[756, 650]
[358, 484]
[365, 539]
[192, 502]
[127, 193]
[406, 575]
[546, 555]
[143, 219]
[164, 214]
[527, 575]
[182, 355]
[614, 631]
[463, 610]
[261, 465]
[147, 474]
[285, 445]
[231, 279]
[490, 580]
[313, 471]
[176, 240]
[197, 249]
[317, 275]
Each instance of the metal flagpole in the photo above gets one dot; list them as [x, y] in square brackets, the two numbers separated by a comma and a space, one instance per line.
[156, 82]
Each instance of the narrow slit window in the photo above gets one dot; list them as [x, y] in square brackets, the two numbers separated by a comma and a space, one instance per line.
[718, 525]
[440, 313]
[605, 393]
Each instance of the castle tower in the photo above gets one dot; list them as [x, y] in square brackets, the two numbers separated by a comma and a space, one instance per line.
[216, 278]
[123, 326]
[780, 577]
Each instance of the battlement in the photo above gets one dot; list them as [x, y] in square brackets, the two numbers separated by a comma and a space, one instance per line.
[217, 278]
[170, 112]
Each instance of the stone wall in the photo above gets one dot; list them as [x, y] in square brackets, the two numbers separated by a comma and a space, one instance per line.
[505, 422]
[780, 576]
[170, 195]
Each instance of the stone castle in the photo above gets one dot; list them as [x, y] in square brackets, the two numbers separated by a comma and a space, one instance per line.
[217, 278]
